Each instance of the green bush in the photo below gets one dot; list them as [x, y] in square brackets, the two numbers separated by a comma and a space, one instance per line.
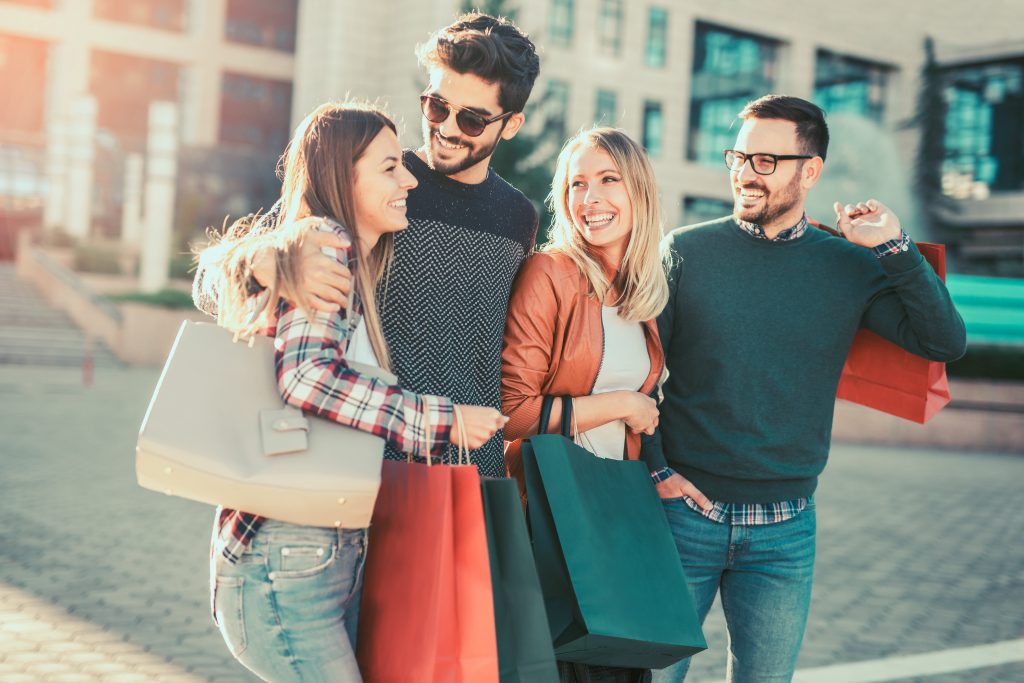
[165, 298]
[990, 362]
[92, 258]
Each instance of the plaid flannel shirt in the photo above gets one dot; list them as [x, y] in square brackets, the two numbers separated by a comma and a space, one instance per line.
[312, 375]
[753, 514]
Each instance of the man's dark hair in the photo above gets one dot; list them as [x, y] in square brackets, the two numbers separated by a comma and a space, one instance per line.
[491, 48]
[811, 129]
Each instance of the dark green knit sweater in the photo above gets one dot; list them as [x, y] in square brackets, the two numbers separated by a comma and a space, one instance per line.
[755, 336]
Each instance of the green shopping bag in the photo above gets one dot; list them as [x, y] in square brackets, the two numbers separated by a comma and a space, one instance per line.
[613, 585]
[525, 654]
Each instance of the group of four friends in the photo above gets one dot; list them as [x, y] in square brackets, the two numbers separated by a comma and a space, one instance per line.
[712, 354]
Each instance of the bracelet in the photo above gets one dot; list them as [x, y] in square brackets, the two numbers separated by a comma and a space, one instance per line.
[660, 475]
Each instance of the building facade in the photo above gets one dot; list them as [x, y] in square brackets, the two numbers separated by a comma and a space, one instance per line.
[674, 74]
[227, 65]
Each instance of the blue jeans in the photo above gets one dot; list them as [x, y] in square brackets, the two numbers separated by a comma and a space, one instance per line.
[764, 574]
[289, 609]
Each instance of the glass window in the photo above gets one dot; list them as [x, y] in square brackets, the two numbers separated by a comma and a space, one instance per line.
[851, 86]
[653, 128]
[23, 71]
[556, 107]
[165, 14]
[125, 86]
[609, 27]
[561, 22]
[254, 111]
[657, 37]
[264, 23]
[729, 70]
[700, 209]
[984, 128]
[605, 113]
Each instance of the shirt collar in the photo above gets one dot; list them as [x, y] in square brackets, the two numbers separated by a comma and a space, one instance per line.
[786, 235]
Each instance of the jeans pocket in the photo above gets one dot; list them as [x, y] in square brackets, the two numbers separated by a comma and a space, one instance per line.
[228, 612]
[301, 560]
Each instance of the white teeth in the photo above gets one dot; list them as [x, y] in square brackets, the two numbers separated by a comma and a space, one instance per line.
[400, 204]
[446, 144]
[751, 194]
[598, 219]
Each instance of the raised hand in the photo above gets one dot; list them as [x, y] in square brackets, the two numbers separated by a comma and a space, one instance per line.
[868, 223]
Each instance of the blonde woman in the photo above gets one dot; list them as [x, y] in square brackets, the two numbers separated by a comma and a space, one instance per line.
[581, 320]
[286, 597]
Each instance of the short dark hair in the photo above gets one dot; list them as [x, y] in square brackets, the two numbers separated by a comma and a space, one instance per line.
[491, 48]
[811, 129]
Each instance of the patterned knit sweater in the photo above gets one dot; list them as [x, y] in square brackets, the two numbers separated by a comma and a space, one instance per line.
[444, 304]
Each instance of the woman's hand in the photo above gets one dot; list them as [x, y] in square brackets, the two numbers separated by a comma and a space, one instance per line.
[640, 412]
[325, 282]
[479, 424]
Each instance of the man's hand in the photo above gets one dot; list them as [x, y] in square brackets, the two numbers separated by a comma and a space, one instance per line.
[678, 486]
[325, 282]
[868, 223]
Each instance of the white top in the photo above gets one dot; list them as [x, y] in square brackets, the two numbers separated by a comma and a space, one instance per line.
[359, 348]
[624, 366]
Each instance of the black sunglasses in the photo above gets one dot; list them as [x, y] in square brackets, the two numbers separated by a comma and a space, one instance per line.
[437, 110]
[762, 162]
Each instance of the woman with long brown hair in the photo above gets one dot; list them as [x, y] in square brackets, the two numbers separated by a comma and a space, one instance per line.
[285, 596]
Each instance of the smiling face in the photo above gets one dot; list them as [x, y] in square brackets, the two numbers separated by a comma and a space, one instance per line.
[599, 203]
[450, 151]
[381, 186]
[776, 200]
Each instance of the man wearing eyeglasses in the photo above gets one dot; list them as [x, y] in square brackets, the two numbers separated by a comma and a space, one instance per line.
[443, 304]
[763, 309]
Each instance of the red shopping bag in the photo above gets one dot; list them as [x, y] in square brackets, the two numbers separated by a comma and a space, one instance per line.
[427, 611]
[880, 375]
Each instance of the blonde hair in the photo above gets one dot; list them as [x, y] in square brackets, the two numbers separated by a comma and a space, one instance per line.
[318, 173]
[640, 281]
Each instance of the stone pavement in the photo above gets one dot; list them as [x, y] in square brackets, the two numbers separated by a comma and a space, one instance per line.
[100, 580]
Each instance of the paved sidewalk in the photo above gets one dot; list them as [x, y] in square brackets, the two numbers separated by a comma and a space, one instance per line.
[918, 551]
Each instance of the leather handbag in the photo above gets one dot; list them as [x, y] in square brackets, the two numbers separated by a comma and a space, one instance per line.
[217, 431]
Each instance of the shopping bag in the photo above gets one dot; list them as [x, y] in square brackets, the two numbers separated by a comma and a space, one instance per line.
[427, 611]
[525, 654]
[880, 375]
[613, 585]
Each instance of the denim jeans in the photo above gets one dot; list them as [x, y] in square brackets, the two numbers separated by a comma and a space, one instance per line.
[289, 609]
[764, 574]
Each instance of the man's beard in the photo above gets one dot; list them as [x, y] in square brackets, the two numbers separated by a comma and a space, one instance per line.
[776, 204]
[474, 154]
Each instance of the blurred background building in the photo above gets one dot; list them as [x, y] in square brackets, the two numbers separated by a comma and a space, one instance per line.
[672, 73]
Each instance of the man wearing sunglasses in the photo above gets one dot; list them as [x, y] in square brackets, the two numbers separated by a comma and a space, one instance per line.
[443, 304]
[762, 311]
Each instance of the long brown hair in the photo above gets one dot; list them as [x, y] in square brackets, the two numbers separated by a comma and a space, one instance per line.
[318, 174]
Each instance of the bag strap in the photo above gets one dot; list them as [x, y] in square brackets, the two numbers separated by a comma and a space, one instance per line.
[567, 417]
[545, 414]
[836, 232]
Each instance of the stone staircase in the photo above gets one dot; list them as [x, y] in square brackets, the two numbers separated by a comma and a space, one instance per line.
[33, 333]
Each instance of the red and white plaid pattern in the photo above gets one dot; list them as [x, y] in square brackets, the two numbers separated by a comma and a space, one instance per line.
[312, 375]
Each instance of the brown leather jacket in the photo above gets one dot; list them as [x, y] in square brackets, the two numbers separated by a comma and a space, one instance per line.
[554, 342]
